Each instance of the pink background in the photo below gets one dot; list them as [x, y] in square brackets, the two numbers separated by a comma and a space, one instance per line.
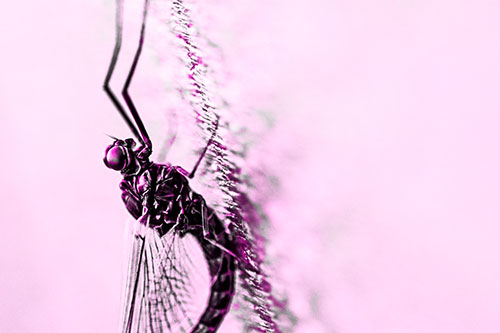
[385, 145]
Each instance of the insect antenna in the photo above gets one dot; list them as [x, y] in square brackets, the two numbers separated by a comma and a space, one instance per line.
[111, 68]
[112, 137]
[125, 94]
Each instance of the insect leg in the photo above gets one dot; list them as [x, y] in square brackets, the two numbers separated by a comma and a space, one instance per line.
[136, 283]
[214, 243]
[112, 64]
[140, 238]
[191, 175]
[125, 94]
[204, 220]
[206, 233]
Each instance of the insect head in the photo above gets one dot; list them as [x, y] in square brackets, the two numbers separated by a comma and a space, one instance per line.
[120, 156]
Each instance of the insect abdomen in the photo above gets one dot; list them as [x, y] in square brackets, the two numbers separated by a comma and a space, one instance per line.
[222, 268]
[221, 295]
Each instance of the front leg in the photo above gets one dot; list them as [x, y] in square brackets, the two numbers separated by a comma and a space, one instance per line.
[132, 202]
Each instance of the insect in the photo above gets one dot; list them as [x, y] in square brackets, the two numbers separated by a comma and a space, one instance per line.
[159, 197]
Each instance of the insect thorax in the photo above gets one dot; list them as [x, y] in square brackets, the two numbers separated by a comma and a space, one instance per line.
[162, 193]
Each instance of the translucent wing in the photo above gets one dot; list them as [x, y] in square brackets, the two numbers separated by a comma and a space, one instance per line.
[167, 284]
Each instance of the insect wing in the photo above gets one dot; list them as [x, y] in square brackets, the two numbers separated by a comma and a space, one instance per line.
[167, 285]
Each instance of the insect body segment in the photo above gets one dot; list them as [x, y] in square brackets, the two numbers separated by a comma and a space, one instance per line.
[160, 196]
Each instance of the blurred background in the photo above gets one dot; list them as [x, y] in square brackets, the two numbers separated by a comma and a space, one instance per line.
[377, 121]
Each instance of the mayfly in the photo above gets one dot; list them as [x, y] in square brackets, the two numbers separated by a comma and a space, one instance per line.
[159, 197]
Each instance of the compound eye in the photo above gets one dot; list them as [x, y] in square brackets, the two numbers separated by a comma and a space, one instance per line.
[116, 158]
